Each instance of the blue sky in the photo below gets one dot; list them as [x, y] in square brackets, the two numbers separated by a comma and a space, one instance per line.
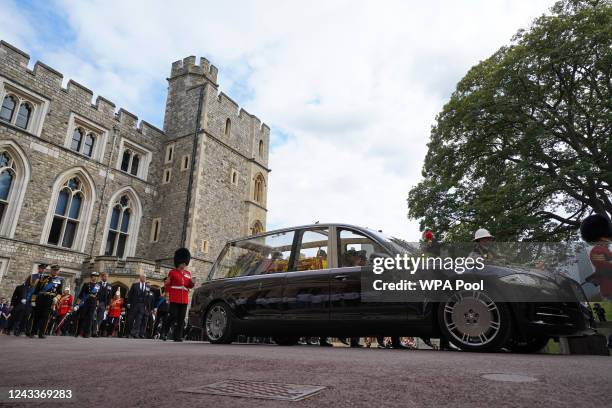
[349, 88]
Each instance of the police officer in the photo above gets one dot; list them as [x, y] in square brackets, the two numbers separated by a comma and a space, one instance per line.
[104, 298]
[47, 292]
[30, 299]
[87, 304]
[139, 302]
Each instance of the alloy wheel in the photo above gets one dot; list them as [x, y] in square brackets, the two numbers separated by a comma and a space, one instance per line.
[216, 322]
[472, 318]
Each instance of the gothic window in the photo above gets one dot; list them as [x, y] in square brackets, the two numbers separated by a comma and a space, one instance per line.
[7, 177]
[83, 143]
[122, 224]
[77, 138]
[14, 177]
[258, 193]
[228, 127]
[118, 228]
[67, 216]
[261, 148]
[8, 107]
[23, 115]
[88, 146]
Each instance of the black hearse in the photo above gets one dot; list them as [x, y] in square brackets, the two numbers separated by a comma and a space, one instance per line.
[306, 281]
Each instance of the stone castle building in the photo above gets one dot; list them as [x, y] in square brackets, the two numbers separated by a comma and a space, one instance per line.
[87, 186]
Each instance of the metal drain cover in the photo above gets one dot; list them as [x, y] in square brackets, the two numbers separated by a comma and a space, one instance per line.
[258, 389]
[509, 377]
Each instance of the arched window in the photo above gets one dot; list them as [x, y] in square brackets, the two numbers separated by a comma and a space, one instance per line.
[261, 148]
[67, 216]
[135, 164]
[70, 210]
[7, 176]
[228, 127]
[88, 147]
[118, 227]
[122, 224]
[14, 177]
[8, 107]
[130, 162]
[125, 160]
[23, 115]
[77, 139]
[259, 188]
[257, 228]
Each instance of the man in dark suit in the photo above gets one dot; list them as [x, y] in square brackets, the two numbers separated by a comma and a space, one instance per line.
[104, 298]
[139, 301]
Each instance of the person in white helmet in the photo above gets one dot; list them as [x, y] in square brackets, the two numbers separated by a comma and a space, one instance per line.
[482, 248]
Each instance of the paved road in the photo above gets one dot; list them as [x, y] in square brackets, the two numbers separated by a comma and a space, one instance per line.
[146, 373]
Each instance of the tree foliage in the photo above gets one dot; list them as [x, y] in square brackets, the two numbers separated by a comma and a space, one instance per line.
[524, 146]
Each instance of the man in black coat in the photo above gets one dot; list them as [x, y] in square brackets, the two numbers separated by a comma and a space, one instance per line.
[86, 306]
[18, 303]
[105, 295]
[139, 301]
[48, 290]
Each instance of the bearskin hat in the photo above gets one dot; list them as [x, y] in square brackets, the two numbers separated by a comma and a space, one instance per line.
[595, 227]
[182, 255]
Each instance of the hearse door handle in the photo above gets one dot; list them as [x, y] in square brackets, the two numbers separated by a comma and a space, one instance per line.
[341, 277]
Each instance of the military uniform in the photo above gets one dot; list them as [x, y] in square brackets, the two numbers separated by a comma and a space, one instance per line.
[30, 298]
[177, 289]
[87, 306]
[47, 291]
[104, 298]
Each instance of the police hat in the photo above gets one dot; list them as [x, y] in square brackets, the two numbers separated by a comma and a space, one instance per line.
[42, 265]
[595, 227]
[94, 273]
[55, 267]
[182, 255]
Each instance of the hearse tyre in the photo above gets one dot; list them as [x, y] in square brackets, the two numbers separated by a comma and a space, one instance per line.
[472, 321]
[218, 323]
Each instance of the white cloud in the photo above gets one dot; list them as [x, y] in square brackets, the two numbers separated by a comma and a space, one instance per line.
[356, 85]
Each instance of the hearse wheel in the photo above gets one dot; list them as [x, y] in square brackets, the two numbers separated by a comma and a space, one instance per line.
[286, 341]
[472, 321]
[218, 324]
[531, 345]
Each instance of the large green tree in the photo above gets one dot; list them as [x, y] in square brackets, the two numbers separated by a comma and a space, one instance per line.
[524, 146]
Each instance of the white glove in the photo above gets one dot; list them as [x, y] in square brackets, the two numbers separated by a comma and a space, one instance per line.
[23, 301]
[75, 308]
[33, 304]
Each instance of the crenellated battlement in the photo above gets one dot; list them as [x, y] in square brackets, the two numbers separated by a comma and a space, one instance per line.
[234, 110]
[49, 76]
[188, 66]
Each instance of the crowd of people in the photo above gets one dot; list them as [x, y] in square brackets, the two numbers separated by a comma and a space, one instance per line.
[42, 305]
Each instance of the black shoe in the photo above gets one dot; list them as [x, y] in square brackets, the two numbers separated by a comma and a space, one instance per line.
[164, 338]
[178, 340]
[85, 336]
[325, 344]
[42, 336]
[31, 335]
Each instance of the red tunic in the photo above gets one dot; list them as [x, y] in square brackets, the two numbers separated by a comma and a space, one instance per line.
[115, 307]
[65, 304]
[177, 286]
[601, 260]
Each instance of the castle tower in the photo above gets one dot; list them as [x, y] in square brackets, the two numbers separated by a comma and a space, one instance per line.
[214, 167]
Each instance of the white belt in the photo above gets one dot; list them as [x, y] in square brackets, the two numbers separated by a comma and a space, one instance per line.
[178, 287]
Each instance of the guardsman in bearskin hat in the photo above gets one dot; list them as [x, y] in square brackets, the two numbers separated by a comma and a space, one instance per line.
[46, 294]
[30, 298]
[87, 304]
[177, 289]
[596, 230]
